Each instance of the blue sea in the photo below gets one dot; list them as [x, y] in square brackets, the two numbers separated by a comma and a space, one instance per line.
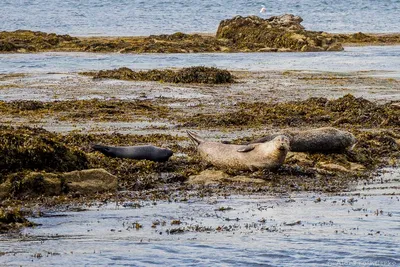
[141, 17]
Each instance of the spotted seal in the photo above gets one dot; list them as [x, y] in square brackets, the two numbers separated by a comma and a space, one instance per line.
[323, 140]
[267, 155]
[148, 152]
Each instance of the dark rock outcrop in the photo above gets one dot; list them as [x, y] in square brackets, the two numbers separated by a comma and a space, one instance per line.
[279, 32]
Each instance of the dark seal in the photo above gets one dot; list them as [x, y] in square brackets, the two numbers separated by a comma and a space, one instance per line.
[135, 152]
[323, 140]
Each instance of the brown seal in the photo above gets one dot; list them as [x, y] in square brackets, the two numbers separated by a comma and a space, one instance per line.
[324, 140]
[267, 155]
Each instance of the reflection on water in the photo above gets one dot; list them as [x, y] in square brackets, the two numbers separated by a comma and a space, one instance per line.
[380, 58]
[301, 230]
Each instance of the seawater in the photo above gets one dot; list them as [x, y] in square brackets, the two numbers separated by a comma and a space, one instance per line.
[357, 228]
[383, 59]
[142, 17]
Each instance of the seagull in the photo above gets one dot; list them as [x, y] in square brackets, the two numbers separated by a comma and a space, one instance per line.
[263, 10]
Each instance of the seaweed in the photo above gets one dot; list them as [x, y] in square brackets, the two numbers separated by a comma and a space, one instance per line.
[27, 148]
[198, 74]
[347, 110]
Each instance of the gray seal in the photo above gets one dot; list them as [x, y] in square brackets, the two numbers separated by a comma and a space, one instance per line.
[267, 155]
[323, 140]
[135, 152]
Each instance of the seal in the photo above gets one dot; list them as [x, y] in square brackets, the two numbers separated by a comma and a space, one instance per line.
[267, 155]
[135, 152]
[323, 140]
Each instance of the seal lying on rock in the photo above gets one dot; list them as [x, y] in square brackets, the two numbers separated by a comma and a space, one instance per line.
[325, 140]
[135, 152]
[268, 155]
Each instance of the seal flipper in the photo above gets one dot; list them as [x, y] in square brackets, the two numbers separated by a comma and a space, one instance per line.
[103, 149]
[247, 148]
[195, 137]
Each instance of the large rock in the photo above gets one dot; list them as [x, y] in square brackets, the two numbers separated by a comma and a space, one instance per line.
[90, 181]
[254, 33]
[33, 184]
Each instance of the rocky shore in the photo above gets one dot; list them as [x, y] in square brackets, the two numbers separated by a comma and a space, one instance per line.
[47, 168]
[240, 34]
[44, 167]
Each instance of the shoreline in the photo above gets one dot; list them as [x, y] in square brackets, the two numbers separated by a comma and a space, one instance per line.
[36, 42]
[158, 113]
[239, 34]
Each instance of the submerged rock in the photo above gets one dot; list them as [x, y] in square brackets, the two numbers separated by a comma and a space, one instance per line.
[280, 32]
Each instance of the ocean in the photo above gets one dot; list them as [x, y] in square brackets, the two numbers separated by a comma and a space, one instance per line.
[140, 17]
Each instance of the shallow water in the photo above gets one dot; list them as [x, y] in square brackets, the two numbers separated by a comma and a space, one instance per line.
[358, 228]
[127, 17]
[383, 59]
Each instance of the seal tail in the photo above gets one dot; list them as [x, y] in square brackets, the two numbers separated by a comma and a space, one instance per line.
[195, 137]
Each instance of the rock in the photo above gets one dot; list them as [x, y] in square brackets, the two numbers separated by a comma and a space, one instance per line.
[335, 47]
[287, 21]
[332, 167]
[357, 167]
[267, 49]
[12, 219]
[24, 148]
[285, 50]
[311, 48]
[395, 105]
[90, 181]
[207, 177]
[299, 158]
[33, 184]
[284, 33]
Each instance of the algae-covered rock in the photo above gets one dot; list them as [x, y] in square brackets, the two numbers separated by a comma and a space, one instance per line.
[24, 148]
[12, 219]
[90, 181]
[32, 184]
[199, 74]
[30, 41]
[27, 185]
[284, 31]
